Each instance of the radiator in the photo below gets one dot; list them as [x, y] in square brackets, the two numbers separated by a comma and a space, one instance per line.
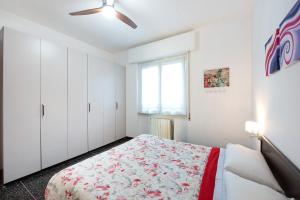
[163, 128]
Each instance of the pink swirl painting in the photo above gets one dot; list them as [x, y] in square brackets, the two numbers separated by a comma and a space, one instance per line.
[283, 48]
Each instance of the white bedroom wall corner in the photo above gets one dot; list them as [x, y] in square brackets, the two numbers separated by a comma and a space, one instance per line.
[144, 124]
[121, 58]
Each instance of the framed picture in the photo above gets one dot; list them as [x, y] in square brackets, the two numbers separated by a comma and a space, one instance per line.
[216, 78]
[283, 47]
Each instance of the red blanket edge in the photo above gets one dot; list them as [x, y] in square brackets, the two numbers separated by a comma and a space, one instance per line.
[208, 181]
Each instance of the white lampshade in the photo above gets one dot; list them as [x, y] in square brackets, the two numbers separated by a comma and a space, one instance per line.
[252, 128]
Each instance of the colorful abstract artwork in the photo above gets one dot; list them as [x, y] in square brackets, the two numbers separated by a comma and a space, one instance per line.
[283, 48]
[216, 78]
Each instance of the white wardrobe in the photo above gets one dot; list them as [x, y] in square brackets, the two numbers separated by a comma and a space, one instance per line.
[54, 100]
[95, 103]
[20, 104]
[77, 103]
[57, 103]
[120, 94]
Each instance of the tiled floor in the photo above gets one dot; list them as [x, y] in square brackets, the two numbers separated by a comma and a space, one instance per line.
[32, 187]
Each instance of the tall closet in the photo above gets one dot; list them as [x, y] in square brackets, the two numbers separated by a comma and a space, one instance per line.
[57, 103]
[54, 102]
[95, 102]
[21, 93]
[120, 96]
[77, 103]
[109, 123]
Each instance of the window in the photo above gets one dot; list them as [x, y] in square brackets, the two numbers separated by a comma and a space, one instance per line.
[163, 86]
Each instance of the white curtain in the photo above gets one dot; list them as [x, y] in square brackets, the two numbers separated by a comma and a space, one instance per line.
[150, 89]
[163, 86]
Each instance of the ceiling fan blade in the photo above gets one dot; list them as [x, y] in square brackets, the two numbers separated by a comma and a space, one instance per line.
[125, 19]
[87, 12]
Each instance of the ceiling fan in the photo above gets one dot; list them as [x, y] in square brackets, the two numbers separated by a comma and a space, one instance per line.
[109, 10]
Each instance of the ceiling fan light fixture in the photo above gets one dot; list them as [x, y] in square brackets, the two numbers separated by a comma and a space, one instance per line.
[109, 2]
[109, 11]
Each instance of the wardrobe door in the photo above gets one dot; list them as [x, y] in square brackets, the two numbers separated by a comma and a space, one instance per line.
[120, 102]
[109, 133]
[77, 103]
[95, 102]
[21, 105]
[54, 97]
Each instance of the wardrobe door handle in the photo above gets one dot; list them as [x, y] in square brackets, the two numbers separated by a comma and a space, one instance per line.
[89, 107]
[43, 110]
[117, 105]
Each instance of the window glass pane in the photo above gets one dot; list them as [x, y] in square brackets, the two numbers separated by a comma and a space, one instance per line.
[173, 88]
[150, 89]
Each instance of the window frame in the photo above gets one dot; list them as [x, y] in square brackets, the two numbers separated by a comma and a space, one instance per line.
[159, 63]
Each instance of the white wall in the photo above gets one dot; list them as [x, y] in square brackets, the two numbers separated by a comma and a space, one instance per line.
[171, 46]
[218, 117]
[276, 98]
[26, 26]
[131, 101]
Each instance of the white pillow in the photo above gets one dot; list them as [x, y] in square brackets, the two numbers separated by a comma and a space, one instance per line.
[238, 188]
[249, 164]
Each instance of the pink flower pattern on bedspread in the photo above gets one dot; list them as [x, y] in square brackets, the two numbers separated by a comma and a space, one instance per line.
[146, 167]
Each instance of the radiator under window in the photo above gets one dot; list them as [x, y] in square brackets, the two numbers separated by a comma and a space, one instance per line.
[162, 127]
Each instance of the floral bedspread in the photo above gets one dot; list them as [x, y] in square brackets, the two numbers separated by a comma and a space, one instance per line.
[146, 167]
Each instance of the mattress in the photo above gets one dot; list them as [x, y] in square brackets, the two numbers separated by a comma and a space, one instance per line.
[219, 192]
[146, 167]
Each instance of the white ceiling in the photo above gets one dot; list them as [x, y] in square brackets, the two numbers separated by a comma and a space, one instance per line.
[156, 19]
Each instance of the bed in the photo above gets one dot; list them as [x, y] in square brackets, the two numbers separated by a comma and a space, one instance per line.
[147, 167]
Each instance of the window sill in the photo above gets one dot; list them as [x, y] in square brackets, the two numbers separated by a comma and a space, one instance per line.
[164, 116]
